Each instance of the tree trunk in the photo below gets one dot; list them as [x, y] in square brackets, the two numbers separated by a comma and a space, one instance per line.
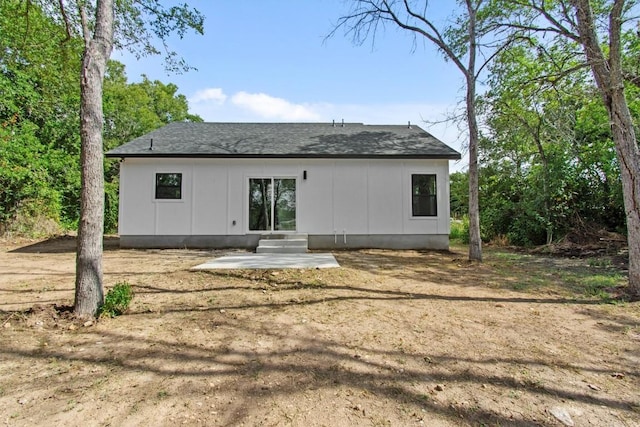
[366, 17]
[608, 76]
[627, 151]
[475, 240]
[545, 182]
[89, 293]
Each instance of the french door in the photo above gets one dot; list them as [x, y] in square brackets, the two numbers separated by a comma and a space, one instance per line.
[272, 204]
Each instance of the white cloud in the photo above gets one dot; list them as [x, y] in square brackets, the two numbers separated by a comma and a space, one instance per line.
[213, 94]
[270, 107]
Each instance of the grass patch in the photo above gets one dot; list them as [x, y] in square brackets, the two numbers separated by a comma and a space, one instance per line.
[510, 256]
[596, 285]
[593, 277]
[459, 230]
[600, 262]
[117, 300]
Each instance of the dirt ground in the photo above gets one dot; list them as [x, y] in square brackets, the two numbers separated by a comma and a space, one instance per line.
[393, 338]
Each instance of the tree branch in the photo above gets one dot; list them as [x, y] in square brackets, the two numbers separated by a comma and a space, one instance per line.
[86, 33]
[631, 78]
[556, 26]
[65, 19]
[435, 37]
[592, 49]
[615, 30]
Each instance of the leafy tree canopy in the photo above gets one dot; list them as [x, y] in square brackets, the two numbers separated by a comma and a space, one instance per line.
[39, 121]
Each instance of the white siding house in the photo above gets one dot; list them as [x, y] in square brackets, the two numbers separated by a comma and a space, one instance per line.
[227, 184]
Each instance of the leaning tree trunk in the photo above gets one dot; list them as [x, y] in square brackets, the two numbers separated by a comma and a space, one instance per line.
[626, 143]
[608, 76]
[627, 151]
[89, 293]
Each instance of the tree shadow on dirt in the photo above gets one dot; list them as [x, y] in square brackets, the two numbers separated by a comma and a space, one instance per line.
[296, 363]
[614, 322]
[357, 292]
[64, 244]
[500, 270]
[319, 364]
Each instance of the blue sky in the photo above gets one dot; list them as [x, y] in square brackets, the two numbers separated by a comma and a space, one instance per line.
[269, 61]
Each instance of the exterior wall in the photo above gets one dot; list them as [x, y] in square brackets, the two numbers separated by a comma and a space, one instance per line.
[365, 202]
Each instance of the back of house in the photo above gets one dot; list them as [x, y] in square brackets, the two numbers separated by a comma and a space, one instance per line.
[346, 185]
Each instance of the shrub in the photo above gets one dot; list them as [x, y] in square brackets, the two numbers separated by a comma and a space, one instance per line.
[460, 230]
[110, 207]
[117, 300]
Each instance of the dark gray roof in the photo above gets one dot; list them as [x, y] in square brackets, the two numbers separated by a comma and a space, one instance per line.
[286, 140]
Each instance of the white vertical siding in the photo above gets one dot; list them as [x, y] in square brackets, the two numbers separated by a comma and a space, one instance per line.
[137, 213]
[236, 193]
[385, 208]
[210, 213]
[350, 198]
[315, 198]
[358, 196]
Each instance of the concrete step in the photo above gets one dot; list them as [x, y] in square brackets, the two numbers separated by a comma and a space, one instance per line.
[283, 244]
[278, 243]
[280, 250]
[293, 236]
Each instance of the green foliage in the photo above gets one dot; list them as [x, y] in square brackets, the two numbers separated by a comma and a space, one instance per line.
[631, 60]
[140, 24]
[459, 189]
[549, 162]
[521, 271]
[117, 300]
[460, 230]
[131, 110]
[39, 120]
[600, 262]
[111, 205]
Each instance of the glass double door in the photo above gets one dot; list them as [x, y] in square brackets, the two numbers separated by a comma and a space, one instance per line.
[272, 204]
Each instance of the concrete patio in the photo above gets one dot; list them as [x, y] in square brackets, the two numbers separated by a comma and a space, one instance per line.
[269, 261]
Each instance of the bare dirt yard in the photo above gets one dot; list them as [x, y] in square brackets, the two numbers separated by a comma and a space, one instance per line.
[396, 338]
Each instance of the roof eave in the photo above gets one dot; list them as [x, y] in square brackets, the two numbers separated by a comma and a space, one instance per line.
[451, 156]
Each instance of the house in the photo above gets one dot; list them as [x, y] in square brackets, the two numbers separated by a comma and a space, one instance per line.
[344, 185]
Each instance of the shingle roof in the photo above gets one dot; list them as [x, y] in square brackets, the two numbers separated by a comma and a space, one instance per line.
[286, 140]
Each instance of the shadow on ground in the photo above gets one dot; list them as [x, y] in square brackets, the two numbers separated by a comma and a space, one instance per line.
[64, 244]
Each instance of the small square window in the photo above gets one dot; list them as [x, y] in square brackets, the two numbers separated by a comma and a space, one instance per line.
[423, 195]
[168, 186]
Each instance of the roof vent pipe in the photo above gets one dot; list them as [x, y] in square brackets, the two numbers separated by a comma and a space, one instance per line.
[151, 145]
[342, 122]
[409, 124]
[334, 123]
